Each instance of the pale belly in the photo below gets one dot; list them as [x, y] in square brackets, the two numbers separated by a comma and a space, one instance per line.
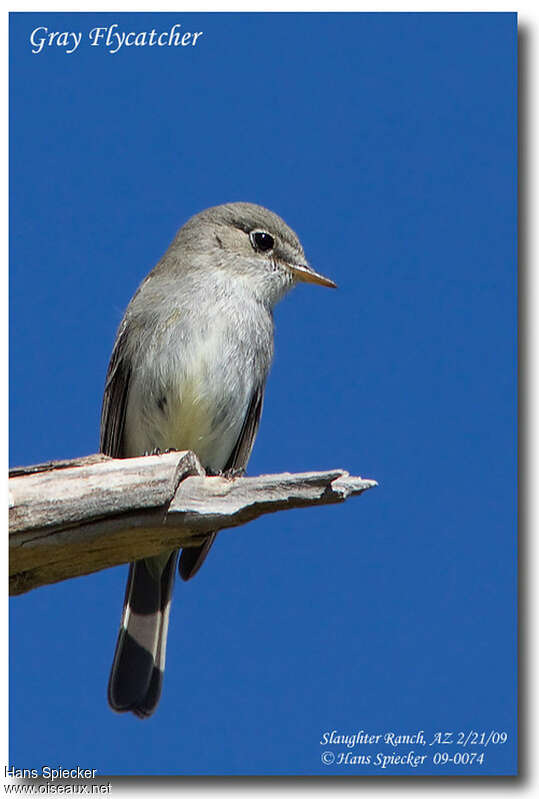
[200, 422]
[196, 403]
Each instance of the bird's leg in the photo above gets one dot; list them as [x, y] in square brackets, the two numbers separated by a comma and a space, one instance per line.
[227, 474]
[157, 451]
[231, 474]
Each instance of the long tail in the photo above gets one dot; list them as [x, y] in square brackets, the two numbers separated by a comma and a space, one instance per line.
[136, 677]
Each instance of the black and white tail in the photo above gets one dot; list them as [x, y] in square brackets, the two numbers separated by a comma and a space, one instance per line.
[136, 676]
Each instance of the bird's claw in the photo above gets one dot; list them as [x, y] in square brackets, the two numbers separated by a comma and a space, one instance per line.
[157, 451]
[227, 474]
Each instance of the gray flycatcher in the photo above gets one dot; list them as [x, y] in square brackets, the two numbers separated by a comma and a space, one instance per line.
[188, 371]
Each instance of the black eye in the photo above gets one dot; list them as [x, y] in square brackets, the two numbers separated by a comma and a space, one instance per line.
[262, 241]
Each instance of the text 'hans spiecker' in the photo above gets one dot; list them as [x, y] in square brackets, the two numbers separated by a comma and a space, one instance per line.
[111, 38]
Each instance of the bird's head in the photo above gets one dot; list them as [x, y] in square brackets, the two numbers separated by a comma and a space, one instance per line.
[251, 245]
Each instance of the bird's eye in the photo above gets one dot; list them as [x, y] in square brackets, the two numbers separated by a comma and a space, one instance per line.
[262, 241]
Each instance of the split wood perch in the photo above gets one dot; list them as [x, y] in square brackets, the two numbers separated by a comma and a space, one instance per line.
[75, 517]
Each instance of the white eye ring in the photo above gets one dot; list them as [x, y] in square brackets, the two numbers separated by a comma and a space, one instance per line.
[261, 240]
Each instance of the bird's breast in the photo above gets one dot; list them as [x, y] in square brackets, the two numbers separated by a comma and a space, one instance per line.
[193, 388]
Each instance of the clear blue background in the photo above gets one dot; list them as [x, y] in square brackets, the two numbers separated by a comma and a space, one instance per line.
[388, 142]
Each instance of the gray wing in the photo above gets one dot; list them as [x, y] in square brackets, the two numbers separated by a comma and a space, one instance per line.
[137, 671]
[242, 450]
[192, 559]
[115, 400]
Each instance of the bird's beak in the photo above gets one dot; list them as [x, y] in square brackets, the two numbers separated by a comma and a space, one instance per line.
[307, 275]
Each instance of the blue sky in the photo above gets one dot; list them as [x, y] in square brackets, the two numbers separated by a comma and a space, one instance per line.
[388, 142]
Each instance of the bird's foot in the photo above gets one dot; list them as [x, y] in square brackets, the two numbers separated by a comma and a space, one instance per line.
[228, 474]
[157, 451]
[231, 474]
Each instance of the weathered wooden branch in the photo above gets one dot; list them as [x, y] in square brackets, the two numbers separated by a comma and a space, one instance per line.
[69, 518]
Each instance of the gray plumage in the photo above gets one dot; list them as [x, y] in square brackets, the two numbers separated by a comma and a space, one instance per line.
[188, 371]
